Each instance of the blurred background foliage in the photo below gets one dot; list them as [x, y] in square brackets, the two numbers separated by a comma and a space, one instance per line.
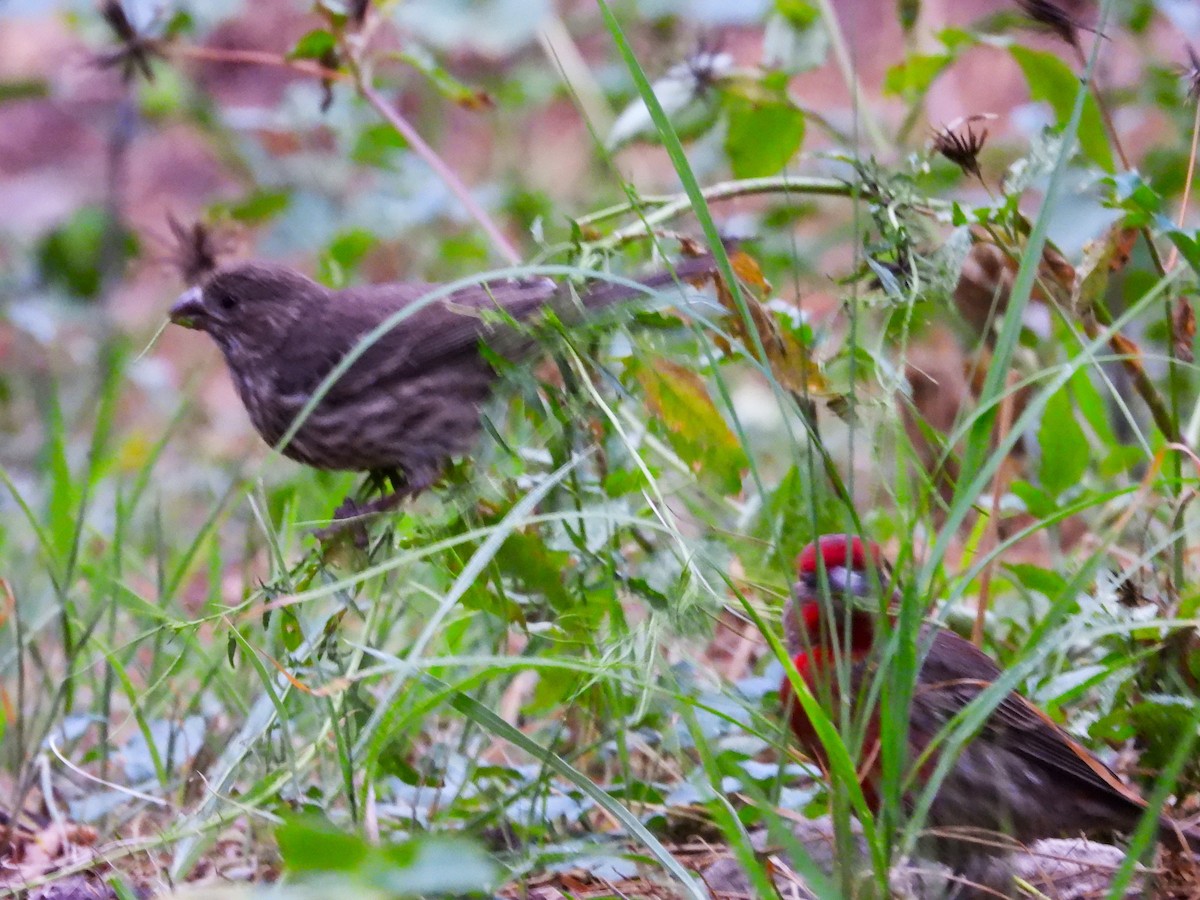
[556, 661]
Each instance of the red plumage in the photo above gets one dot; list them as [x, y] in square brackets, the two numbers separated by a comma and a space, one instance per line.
[1021, 775]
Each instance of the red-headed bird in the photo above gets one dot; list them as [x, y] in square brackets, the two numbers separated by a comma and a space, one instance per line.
[1021, 776]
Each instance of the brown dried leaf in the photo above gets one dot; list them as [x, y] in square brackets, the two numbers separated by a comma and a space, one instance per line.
[476, 101]
[1183, 318]
[748, 271]
[1129, 351]
[58, 844]
[1056, 276]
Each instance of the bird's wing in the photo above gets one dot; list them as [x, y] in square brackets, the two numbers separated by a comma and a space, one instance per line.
[446, 329]
[442, 332]
[955, 672]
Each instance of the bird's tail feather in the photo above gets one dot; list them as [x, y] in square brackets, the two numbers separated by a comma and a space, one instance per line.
[1179, 836]
[571, 308]
[599, 295]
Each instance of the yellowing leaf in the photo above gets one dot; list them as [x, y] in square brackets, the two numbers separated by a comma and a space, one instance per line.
[694, 427]
[789, 360]
[1101, 257]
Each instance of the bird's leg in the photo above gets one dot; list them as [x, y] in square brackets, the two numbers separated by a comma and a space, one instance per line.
[378, 480]
[353, 513]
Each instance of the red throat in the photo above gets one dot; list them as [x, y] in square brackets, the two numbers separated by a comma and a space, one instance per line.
[862, 633]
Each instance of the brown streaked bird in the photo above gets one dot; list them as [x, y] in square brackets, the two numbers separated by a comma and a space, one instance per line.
[1021, 776]
[412, 399]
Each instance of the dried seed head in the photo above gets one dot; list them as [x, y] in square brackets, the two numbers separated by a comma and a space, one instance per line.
[133, 51]
[707, 64]
[962, 147]
[195, 250]
[1191, 75]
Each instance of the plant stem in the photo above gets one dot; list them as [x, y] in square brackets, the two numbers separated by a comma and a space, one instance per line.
[443, 171]
[1141, 381]
[672, 206]
[1003, 426]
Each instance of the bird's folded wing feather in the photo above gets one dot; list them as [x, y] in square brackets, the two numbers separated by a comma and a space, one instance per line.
[439, 333]
[1016, 724]
[443, 331]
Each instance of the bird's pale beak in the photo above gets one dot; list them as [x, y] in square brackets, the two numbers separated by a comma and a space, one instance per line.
[188, 310]
[849, 582]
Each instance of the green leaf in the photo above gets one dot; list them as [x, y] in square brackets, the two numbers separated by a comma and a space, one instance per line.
[1052, 81]
[1035, 578]
[911, 79]
[65, 492]
[526, 559]
[1039, 503]
[1138, 198]
[167, 95]
[798, 13]
[1065, 448]
[1092, 406]
[314, 845]
[428, 865]
[1187, 245]
[74, 255]
[762, 135]
[1120, 458]
[445, 83]
[343, 255]
[795, 38]
[377, 145]
[1160, 723]
[257, 207]
[291, 632]
[620, 482]
[23, 89]
[314, 45]
[438, 864]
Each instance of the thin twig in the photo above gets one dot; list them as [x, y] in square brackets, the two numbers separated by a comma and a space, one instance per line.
[1094, 86]
[1167, 419]
[670, 207]
[1187, 186]
[417, 144]
[113, 786]
[1141, 381]
[255, 58]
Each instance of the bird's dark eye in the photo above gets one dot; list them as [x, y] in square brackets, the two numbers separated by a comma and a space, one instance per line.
[226, 302]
